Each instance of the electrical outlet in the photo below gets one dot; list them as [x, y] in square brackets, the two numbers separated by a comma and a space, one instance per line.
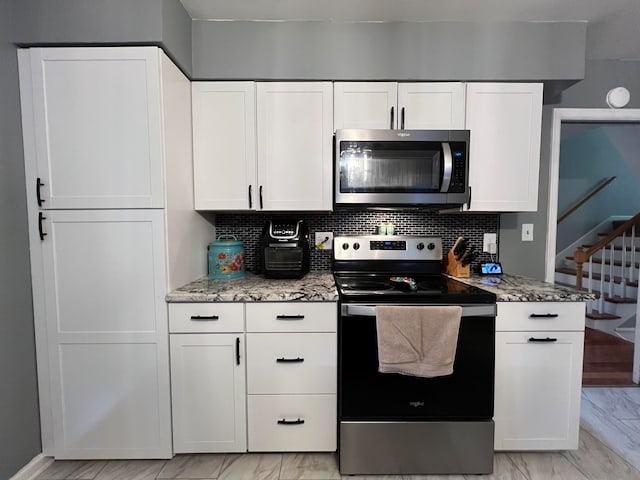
[324, 240]
[527, 232]
[489, 243]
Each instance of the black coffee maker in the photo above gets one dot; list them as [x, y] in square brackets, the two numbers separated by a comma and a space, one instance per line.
[284, 249]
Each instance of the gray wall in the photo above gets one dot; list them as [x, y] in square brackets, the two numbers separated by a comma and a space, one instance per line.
[388, 51]
[19, 421]
[112, 22]
[528, 258]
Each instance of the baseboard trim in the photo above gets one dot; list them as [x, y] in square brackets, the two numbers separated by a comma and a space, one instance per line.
[32, 469]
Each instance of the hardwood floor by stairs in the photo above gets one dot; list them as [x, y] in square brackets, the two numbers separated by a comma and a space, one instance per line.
[608, 360]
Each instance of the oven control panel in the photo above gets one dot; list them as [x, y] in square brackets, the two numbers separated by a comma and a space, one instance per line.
[387, 247]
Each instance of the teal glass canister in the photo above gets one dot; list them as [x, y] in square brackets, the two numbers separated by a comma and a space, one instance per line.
[226, 257]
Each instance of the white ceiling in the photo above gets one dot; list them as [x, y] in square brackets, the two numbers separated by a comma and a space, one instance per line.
[611, 31]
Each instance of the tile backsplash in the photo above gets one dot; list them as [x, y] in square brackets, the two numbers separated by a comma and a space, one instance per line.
[247, 227]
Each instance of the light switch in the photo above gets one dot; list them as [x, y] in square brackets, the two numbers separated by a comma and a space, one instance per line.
[527, 232]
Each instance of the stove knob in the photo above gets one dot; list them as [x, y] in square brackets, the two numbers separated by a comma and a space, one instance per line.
[431, 246]
[345, 246]
[420, 246]
[356, 246]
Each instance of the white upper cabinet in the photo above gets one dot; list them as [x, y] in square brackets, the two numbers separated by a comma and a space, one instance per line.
[295, 139]
[224, 145]
[504, 158]
[365, 105]
[389, 105]
[97, 127]
[431, 106]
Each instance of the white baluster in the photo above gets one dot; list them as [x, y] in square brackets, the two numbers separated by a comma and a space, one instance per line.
[603, 254]
[611, 261]
[623, 281]
[632, 268]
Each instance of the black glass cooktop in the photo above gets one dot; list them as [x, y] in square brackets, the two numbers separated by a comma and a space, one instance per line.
[390, 287]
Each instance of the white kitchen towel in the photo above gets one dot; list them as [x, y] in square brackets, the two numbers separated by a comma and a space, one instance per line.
[419, 341]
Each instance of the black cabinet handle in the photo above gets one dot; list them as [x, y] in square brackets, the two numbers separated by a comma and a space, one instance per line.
[38, 196]
[402, 119]
[41, 217]
[237, 351]
[260, 192]
[289, 360]
[542, 340]
[284, 421]
[392, 115]
[204, 318]
[250, 203]
[290, 317]
[543, 315]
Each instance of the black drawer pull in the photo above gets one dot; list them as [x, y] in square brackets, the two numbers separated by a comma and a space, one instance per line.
[289, 360]
[204, 318]
[41, 232]
[290, 317]
[284, 421]
[543, 315]
[38, 194]
[237, 351]
[542, 340]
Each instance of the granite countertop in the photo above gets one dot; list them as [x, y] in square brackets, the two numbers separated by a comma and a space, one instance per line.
[320, 287]
[313, 287]
[514, 288]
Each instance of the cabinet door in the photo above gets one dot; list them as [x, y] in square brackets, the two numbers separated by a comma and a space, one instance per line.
[103, 292]
[208, 393]
[224, 145]
[426, 105]
[96, 125]
[504, 159]
[537, 392]
[365, 105]
[295, 138]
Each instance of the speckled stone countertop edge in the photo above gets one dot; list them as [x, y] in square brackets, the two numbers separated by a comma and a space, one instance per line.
[316, 286]
[516, 288]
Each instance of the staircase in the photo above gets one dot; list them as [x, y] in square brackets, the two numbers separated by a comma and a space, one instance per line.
[606, 262]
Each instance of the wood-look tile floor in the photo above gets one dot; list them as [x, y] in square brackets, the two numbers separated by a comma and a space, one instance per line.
[609, 450]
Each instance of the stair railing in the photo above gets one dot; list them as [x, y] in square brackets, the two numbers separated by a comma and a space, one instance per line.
[582, 255]
[584, 199]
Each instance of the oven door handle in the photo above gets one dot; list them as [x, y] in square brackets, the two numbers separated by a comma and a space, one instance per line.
[467, 310]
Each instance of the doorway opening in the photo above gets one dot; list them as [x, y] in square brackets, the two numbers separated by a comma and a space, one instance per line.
[585, 161]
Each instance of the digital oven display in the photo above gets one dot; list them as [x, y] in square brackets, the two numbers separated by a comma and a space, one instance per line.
[388, 245]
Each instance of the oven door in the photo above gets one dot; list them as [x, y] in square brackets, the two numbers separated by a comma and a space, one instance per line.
[366, 394]
[380, 168]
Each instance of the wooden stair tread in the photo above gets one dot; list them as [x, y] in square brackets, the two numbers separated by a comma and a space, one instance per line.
[595, 315]
[616, 263]
[594, 276]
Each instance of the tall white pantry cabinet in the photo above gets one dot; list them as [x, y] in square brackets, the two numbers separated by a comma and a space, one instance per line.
[107, 145]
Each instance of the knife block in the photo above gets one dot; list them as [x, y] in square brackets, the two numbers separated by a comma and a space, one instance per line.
[455, 268]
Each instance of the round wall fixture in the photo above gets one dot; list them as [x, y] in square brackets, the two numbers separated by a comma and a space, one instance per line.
[618, 97]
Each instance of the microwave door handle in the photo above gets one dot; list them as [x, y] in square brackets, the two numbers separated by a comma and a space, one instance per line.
[448, 167]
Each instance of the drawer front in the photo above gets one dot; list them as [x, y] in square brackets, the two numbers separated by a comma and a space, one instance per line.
[206, 317]
[292, 317]
[298, 363]
[539, 316]
[292, 423]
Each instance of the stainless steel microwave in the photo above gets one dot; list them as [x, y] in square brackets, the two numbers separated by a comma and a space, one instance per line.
[401, 168]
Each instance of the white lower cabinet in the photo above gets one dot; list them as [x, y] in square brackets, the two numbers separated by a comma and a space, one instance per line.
[291, 376]
[539, 351]
[208, 378]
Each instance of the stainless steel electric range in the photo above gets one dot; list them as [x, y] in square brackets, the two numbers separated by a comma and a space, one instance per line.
[398, 424]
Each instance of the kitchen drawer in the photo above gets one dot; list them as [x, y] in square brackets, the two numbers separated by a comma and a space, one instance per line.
[292, 317]
[292, 423]
[539, 316]
[206, 317]
[291, 363]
